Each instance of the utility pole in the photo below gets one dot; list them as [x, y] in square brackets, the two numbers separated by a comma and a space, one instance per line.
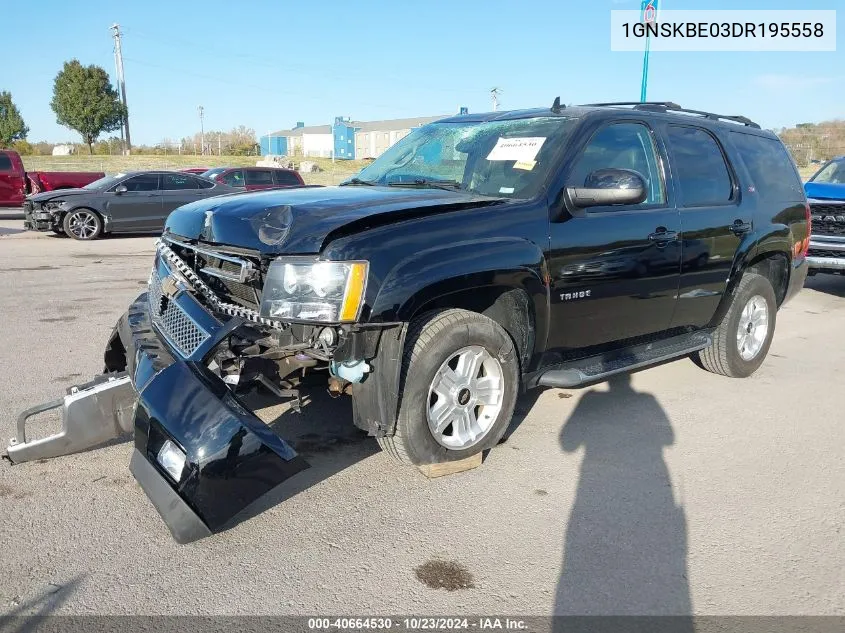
[200, 109]
[494, 96]
[121, 84]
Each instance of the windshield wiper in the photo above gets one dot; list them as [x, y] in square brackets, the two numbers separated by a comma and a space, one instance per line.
[358, 181]
[449, 185]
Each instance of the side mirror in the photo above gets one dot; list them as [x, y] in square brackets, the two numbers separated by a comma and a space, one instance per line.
[607, 187]
[120, 189]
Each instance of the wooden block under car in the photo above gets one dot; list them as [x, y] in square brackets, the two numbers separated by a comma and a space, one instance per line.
[450, 468]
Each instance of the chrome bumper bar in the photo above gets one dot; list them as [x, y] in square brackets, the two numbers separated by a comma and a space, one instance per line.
[92, 414]
[826, 263]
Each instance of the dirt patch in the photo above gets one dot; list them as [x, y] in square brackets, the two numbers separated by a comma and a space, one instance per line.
[444, 574]
[564, 395]
[18, 270]
[101, 256]
[540, 492]
[66, 319]
[5, 491]
[65, 378]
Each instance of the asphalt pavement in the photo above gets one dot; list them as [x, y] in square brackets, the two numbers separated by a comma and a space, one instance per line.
[674, 492]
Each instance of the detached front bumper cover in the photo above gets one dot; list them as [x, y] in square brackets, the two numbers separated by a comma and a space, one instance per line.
[232, 458]
[167, 393]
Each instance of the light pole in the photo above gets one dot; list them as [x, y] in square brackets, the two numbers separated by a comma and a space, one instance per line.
[201, 110]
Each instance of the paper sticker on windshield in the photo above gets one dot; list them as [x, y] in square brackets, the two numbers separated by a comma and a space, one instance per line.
[505, 189]
[527, 165]
[519, 149]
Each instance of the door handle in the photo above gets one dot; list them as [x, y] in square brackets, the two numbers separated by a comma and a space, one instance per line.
[740, 228]
[662, 235]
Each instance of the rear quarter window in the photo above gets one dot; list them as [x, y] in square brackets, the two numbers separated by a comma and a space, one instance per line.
[5, 163]
[285, 178]
[259, 177]
[700, 167]
[771, 168]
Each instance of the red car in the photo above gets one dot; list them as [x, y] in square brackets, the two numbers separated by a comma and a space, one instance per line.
[194, 170]
[16, 183]
[255, 178]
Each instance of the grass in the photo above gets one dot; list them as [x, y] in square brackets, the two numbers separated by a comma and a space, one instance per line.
[332, 173]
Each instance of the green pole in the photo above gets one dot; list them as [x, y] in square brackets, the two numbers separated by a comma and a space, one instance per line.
[644, 85]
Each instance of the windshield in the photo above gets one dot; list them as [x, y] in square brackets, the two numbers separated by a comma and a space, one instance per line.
[211, 173]
[508, 159]
[104, 183]
[833, 173]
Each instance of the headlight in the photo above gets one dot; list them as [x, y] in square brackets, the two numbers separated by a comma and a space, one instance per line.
[52, 204]
[327, 292]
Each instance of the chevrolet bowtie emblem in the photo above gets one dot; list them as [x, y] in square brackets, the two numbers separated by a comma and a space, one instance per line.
[169, 287]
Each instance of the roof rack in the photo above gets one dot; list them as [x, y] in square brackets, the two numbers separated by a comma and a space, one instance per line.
[669, 106]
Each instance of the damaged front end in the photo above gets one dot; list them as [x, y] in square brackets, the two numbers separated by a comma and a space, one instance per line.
[201, 455]
[176, 367]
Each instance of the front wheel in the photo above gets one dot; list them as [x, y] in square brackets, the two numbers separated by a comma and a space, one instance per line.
[460, 377]
[82, 224]
[742, 339]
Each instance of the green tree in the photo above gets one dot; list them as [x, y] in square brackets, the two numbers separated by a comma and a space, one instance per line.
[84, 100]
[12, 127]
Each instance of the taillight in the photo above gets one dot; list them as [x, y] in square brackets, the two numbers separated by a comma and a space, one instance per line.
[805, 246]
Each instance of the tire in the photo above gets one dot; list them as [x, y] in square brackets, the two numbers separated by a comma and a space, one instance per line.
[82, 224]
[735, 355]
[449, 338]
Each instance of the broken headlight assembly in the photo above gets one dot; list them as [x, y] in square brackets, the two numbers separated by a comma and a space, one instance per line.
[314, 291]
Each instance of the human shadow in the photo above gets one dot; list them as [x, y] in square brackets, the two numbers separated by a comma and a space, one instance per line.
[626, 540]
[32, 615]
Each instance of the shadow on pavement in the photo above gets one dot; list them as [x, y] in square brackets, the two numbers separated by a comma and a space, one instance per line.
[26, 616]
[323, 434]
[829, 284]
[625, 550]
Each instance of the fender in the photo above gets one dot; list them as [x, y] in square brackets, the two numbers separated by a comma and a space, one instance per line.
[436, 272]
[776, 239]
[432, 274]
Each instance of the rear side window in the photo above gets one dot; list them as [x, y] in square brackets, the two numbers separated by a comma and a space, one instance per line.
[770, 167]
[700, 167]
[259, 177]
[285, 178]
[234, 178]
[176, 182]
[5, 163]
[144, 182]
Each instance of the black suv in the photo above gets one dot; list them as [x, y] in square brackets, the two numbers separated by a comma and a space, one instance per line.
[479, 256]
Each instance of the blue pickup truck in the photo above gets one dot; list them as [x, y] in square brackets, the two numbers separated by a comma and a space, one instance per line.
[826, 195]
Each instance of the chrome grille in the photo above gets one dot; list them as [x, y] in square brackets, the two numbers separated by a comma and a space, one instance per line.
[179, 329]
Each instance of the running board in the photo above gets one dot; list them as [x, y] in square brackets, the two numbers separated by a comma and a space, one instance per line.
[92, 414]
[595, 369]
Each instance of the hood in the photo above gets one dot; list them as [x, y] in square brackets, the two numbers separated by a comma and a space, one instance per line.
[300, 220]
[58, 193]
[824, 190]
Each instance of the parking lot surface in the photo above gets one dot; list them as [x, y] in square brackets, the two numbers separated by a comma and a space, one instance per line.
[675, 492]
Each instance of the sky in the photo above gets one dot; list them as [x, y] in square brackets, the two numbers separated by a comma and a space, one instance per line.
[267, 64]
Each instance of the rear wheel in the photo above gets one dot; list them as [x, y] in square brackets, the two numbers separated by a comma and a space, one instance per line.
[742, 339]
[82, 224]
[460, 375]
